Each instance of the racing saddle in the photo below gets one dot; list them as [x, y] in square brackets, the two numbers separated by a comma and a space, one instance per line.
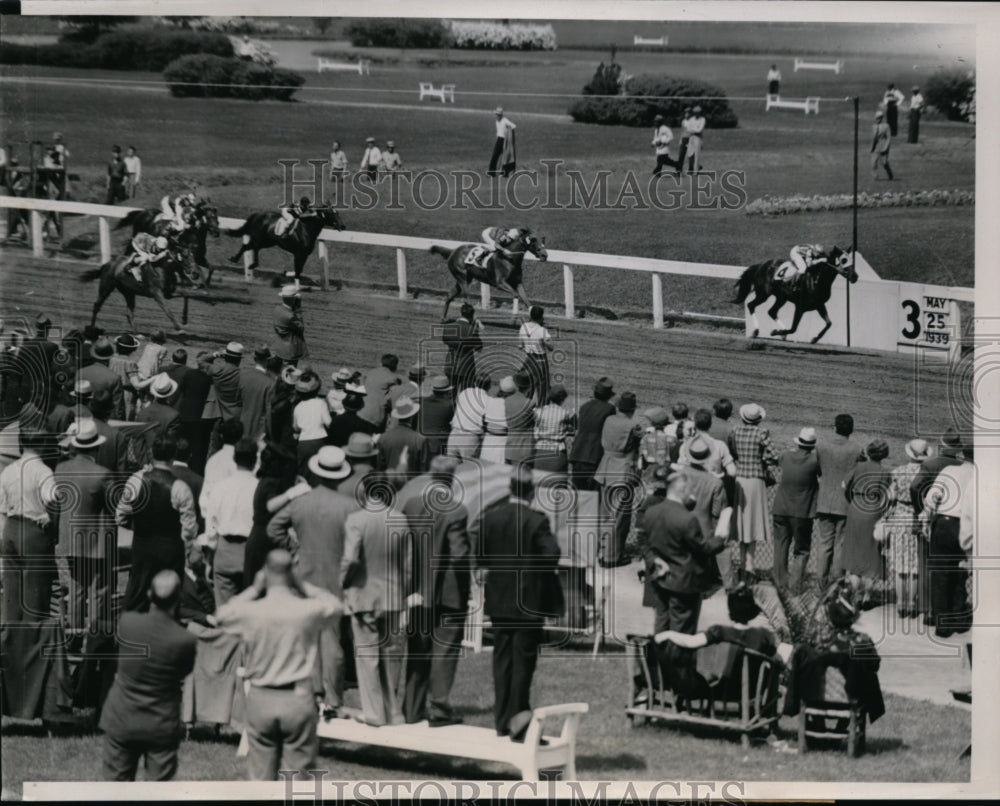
[479, 256]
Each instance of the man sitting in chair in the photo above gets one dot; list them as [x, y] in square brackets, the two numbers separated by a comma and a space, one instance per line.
[290, 215]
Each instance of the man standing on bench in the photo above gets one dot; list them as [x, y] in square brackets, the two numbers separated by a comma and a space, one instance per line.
[519, 553]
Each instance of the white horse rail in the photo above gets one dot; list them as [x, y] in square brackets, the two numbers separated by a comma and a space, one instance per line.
[361, 66]
[805, 64]
[660, 40]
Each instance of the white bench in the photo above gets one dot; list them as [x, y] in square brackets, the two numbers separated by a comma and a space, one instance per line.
[446, 92]
[803, 64]
[660, 40]
[807, 105]
[361, 67]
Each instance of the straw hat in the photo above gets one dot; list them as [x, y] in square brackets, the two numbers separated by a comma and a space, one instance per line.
[360, 446]
[752, 414]
[404, 407]
[440, 383]
[806, 438]
[83, 434]
[163, 386]
[82, 388]
[330, 462]
[918, 449]
[234, 350]
[307, 385]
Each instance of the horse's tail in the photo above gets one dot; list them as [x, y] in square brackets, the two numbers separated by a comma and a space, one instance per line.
[440, 250]
[129, 220]
[241, 230]
[92, 274]
[745, 284]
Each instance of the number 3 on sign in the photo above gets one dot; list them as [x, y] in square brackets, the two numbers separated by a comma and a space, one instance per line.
[912, 331]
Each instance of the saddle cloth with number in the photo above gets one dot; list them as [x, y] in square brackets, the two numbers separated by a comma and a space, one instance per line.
[478, 256]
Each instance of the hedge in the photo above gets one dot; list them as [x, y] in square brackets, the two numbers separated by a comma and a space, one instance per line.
[784, 205]
[207, 76]
[397, 33]
[952, 93]
[659, 96]
[150, 49]
[491, 35]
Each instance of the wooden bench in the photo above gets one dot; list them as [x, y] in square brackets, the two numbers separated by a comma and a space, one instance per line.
[803, 64]
[361, 67]
[807, 105]
[446, 92]
[660, 40]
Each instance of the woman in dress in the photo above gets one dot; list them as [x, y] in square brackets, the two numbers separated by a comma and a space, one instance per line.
[536, 341]
[868, 490]
[310, 419]
[902, 530]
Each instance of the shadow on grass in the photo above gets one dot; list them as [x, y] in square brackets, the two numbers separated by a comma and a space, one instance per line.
[617, 761]
[433, 766]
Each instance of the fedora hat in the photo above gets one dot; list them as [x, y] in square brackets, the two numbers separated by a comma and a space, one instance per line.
[751, 413]
[163, 386]
[234, 350]
[82, 388]
[806, 438]
[355, 389]
[83, 434]
[951, 439]
[103, 348]
[918, 449]
[330, 462]
[440, 383]
[261, 353]
[627, 402]
[127, 342]
[877, 450]
[699, 450]
[404, 407]
[360, 446]
[416, 372]
[306, 385]
[657, 416]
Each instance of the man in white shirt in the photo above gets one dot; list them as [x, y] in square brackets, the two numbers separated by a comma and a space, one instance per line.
[695, 126]
[338, 163]
[503, 157]
[221, 464]
[916, 109]
[133, 171]
[469, 421]
[774, 80]
[661, 142]
[228, 514]
[371, 160]
[391, 161]
[891, 100]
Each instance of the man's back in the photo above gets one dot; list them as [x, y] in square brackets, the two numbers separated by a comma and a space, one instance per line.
[194, 386]
[255, 390]
[675, 534]
[87, 520]
[837, 457]
[587, 444]
[434, 420]
[226, 380]
[395, 439]
[797, 493]
[377, 383]
[441, 550]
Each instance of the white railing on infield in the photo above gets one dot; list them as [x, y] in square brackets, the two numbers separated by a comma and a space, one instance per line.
[655, 268]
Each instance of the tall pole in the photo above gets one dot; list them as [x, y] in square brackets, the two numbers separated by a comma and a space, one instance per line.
[854, 211]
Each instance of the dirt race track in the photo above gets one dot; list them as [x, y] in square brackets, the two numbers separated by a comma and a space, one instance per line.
[890, 396]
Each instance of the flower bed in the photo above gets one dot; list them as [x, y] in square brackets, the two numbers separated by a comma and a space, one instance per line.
[783, 205]
[488, 35]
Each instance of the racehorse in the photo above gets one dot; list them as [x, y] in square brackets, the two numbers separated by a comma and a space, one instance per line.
[258, 233]
[501, 271]
[159, 282]
[204, 222]
[809, 292]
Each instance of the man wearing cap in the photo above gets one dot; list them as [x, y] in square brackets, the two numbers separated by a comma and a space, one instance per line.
[256, 387]
[391, 160]
[289, 340]
[463, 340]
[141, 718]
[836, 458]
[586, 453]
[86, 527]
[378, 382]
[881, 141]
[161, 410]
[661, 143]
[402, 435]
[439, 594]
[362, 455]
[435, 415]
[504, 155]
[282, 619]
[102, 377]
[750, 445]
[371, 159]
[318, 518]
[913, 119]
[794, 509]
[225, 374]
[618, 478]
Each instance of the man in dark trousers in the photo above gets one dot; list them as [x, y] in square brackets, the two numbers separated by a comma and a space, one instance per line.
[113, 452]
[142, 715]
[378, 382]
[102, 377]
[256, 387]
[116, 177]
[519, 553]
[678, 559]
[617, 475]
[434, 417]
[225, 373]
[794, 509]
[289, 341]
[836, 457]
[586, 452]
[463, 340]
[198, 409]
[438, 600]
[35, 358]
[161, 410]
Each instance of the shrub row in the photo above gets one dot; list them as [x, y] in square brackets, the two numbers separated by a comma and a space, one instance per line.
[783, 205]
[501, 36]
[206, 76]
[150, 49]
[396, 33]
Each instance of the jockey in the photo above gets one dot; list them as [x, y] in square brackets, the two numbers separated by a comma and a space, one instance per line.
[805, 255]
[290, 215]
[497, 239]
[176, 210]
[148, 249]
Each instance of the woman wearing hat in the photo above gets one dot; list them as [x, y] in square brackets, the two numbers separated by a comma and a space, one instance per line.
[310, 418]
[750, 445]
[902, 531]
[867, 489]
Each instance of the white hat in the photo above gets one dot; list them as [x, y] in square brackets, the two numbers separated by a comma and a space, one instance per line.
[83, 434]
[234, 349]
[82, 388]
[330, 463]
[806, 438]
[404, 407]
[290, 290]
[163, 386]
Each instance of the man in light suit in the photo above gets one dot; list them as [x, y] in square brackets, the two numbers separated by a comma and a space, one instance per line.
[318, 518]
[438, 595]
[161, 411]
[616, 474]
[377, 384]
[289, 341]
[519, 553]
[256, 387]
[586, 453]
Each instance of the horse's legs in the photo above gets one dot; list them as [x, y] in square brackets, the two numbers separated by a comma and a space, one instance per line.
[162, 302]
[752, 308]
[129, 308]
[451, 298]
[783, 331]
[821, 310]
[104, 290]
[523, 297]
[773, 313]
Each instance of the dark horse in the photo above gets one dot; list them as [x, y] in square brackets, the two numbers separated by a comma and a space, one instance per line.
[500, 271]
[258, 233]
[158, 283]
[809, 292]
[204, 222]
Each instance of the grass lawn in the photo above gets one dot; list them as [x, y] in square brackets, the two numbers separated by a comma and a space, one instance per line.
[914, 741]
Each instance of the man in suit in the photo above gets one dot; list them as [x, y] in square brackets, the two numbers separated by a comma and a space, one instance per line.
[402, 435]
[35, 359]
[519, 412]
[113, 452]
[289, 341]
[181, 467]
[256, 387]
[198, 409]
[161, 411]
[794, 509]
[225, 374]
[142, 715]
[377, 384]
[414, 387]
[586, 453]
[178, 367]
[318, 519]
[678, 559]
[519, 553]
[86, 528]
[617, 476]
[463, 340]
[362, 455]
[836, 458]
[434, 417]
[438, 596]
[102, 377]
[706, 496]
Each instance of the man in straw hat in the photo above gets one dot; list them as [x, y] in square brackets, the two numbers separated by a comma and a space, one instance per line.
[391, 161]
[362, 455]
[161, 410]
[794, 509]
[436, 412]
[504, 155]
[402, 435]
[86, 527]
[225, 373]
[706, 495]
[750, 444]
[289, 340]
[282, 620]
[318, 518]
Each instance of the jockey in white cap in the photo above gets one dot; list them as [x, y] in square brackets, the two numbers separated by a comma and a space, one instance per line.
[176, 210]
[148, 249]
[290, 215]
[805, 255]
[497, 239]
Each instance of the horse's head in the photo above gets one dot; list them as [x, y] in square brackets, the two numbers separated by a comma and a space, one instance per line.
[208, 216]
[532, 243]
[842, 261]
[330, 218]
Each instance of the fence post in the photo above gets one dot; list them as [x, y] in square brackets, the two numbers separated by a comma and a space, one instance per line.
[514, 306]
[36, 233]
[568, 299]
[104, 237]
[324, 261]
[484, 296]
[657, 301]
[247, 262]
[401, 272]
